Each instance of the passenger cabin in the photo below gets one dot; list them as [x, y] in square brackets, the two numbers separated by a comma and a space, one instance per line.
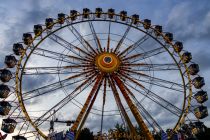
[27, 38]
[98, 12]
[4, 91]
[201, 112]
[123, 15]
[18, 48]
[38, 30]
[147, 23]
[178, 46]
[5, 107]
[135, 18]
[185, 127]
[158, 30]
[168, 37]
[198, 82]
[6, 75]
[61, 18]
[186, 57]
[201, 96]
[8, 125]
[18, 137]
[73, 15]
[10, 61]
[86, 13]
[193, 69]
[194, 130]
[49, 23]
[197, 127]
[111, 13]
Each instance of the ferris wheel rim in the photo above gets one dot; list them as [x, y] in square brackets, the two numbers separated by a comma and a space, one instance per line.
[22, 103]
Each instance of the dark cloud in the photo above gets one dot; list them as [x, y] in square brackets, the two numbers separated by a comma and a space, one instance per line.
[190, 21]
[202, 58]
[24, 24]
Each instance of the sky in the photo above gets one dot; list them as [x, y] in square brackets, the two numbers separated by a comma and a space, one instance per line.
[189, 20]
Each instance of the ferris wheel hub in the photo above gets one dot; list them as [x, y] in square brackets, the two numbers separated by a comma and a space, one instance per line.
[107, 62]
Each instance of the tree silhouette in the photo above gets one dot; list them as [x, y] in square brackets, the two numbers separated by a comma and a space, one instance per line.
[204, 135]
[85, 134]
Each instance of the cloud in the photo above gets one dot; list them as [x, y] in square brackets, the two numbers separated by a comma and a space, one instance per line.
[190, 21]
[199, 57]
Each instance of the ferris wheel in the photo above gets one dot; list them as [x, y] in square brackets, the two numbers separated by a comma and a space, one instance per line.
[96, 69]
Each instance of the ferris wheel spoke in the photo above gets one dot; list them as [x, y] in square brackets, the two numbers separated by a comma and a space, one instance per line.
[145, 114]
[59, 40]
[63, 43]
[154, 97]
[170, 84]
[50, 87]
[121, 108]
[157, 101]
[49, 55]
[103, 105]
[132, 47]
[150, 67]
[68, 56]
[53, 89]
[56, 69]
[32, 133]
[122, 39]
[49, 71]
[94, 90]
[133, 108]
[84, 43]
[90, 105]
[141, 56]
[97, 41]
[65, 101]
[108, 39]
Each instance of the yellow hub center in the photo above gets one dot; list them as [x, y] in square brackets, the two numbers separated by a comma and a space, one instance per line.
[107, 62]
